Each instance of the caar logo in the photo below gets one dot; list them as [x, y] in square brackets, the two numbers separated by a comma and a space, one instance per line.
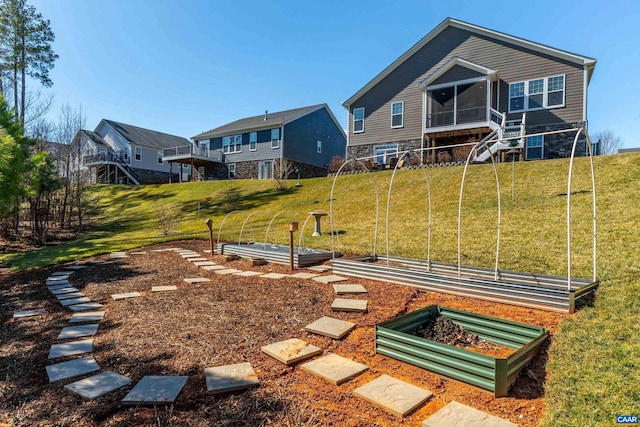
[627, 420]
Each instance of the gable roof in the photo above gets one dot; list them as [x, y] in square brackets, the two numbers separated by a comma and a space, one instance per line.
[258, 122]
[145, 137]
[491, 73]
[450, 22]
[97, 139]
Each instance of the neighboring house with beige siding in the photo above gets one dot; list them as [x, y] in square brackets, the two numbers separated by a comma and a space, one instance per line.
[463, 83]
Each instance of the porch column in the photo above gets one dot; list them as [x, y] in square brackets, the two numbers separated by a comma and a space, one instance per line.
[180, 173]
[170, 172]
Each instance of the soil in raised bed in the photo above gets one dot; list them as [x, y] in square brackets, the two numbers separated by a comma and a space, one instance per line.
[446, 331]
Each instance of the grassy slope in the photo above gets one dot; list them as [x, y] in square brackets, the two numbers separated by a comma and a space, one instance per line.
[594, 359]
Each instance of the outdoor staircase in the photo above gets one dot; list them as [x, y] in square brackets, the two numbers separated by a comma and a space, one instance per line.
[502, 137]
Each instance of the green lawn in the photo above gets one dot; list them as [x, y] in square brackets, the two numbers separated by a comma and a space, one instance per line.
[593, 366]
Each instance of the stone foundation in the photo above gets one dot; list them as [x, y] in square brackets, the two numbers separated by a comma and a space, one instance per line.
[558, 145]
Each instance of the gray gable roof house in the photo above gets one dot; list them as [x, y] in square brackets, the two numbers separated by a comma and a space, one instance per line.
[273, 144]
[120, 153]
[462, 83]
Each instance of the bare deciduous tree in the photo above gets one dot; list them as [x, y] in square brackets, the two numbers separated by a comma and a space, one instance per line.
[607, 141]
[281, 173]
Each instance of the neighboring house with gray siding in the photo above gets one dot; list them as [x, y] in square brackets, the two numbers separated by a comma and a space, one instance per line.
[463, 83]
[259, 147]
[120, 153]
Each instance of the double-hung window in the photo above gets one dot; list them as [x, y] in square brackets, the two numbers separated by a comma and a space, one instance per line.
[535, 147]
[232, 171]
[397, 114]
[160, 154]
[358, 120]
[318, 146]
[232, 144]
[253, 141]
[138, 153]
[536, 94]
[275, 138]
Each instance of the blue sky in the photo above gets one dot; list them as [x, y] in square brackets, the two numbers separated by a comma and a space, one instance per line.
[186, 66]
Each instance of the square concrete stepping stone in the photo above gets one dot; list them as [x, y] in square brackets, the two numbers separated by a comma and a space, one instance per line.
[63, 290]
[62, 274]
[98, 385]
[74, 301]
[247, 273]
[85, 306]
[203, 263]
[329, 279]
[227, 271]
[58, 285]
[214, 267]
[75, 267]
[393, 395]
[356, 305]
[87, 316]
[304, 275]
[126, 295]
[457, 414]
[96, 262]
[28, 313]
[330, 327]
[78, 331]
[199, 259]
[291, 351]
[138, 253]
[70, 348]
[164, 288]
[319, 268]
[154, 390]
[222, 379]
[349, 289]
[159, 250]
[334, 369]
[118, 255]
[191, 255]
[70, 295]
[50, 283]
[273, 276]
[72, 368]
[192, 280]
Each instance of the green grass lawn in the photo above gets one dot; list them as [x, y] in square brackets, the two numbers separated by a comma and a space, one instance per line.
[593, 365]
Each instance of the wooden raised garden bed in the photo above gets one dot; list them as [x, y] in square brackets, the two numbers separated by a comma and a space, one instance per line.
[395, 338]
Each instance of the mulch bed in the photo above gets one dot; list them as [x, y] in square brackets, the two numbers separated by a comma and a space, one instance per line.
[221, 322]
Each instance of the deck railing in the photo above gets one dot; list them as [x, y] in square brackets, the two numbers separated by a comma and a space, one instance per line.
[193, 150]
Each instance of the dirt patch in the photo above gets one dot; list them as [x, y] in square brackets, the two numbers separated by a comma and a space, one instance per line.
[221, 322]
[446, 331]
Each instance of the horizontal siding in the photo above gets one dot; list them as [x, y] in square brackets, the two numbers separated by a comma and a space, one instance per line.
[513, 64]
[263, 148]
[456, 73]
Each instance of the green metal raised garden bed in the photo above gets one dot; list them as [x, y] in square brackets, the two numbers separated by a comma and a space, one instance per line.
[394, 338]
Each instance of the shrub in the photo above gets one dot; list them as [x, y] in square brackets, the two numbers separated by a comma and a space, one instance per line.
[336, 163]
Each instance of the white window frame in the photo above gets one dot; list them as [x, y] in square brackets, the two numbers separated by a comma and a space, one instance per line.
[318, 146]
[253, 141]
[232, 142]
[232, 170]
[160, 155]
[358, 120]
[137, 156]
[260, 168]
[541, 148]
[401, 114]
[275, 140]
[388, 151]
[545, 94]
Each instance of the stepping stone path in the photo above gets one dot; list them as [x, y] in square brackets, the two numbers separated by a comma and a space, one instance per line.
[117, 255]
[78, 331]
[393, 395]
[117, 297]
[456, 414]
[349, 289]
[320, 268]
[154, 390]
[355, 305]
[227, 378]
[28, 313]
[226, 271]
[96, 262]
[138, 253]
[273, 276]
[329, 279]
[70, 295]
[98, 385]
[304, 275]
[204, 263]
[86, 306]
[291, 351]
[70, 348]
[64, 274]
[74, 301]
[64, 290]
[214, 267]
[330, 327]
[75, 267]
[72, 368]
[199, 259]
[163, 288]
[189, 256]
[193, 280]
[334, 369]
[247, 273]
[87, 316]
